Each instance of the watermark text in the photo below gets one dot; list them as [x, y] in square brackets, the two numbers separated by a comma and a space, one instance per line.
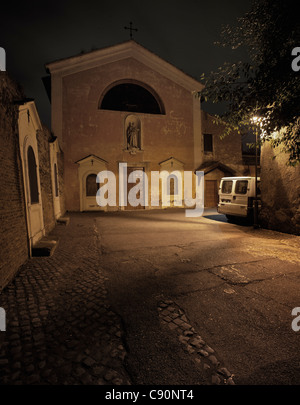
[296, 61]
[181, 192]
[2, 320]
[296, 321]
[2, 60]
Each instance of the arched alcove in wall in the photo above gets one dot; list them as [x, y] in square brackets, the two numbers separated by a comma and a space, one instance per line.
[131, 96]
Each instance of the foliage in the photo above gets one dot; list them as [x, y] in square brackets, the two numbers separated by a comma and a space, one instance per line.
[265, 85]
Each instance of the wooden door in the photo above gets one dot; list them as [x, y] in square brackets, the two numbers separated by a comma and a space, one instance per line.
[210, 193]
[90, 188]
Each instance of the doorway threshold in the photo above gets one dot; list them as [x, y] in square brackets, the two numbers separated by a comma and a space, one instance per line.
[44, 248]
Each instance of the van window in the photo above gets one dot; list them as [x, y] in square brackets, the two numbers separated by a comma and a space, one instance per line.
[227, 186]
[241, 186]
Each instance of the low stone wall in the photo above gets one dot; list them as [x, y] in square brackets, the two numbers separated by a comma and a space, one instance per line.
[280, 187]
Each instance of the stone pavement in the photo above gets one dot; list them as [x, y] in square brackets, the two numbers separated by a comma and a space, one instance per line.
[203, 355]
[60, 327]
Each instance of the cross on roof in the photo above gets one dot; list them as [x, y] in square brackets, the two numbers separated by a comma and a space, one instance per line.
[131, 29]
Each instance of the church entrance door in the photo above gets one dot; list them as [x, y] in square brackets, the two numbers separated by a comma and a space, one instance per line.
[88, 169]
[130, 186]
[90, 188]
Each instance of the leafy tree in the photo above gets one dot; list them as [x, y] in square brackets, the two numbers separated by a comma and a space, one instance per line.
[264, 85]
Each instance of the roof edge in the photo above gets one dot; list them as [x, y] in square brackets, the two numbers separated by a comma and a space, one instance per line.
[114, 53]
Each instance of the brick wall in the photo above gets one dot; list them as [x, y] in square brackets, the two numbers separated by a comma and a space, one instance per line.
[61, 183]
[227, 150]
[13, 230]
[88, 129]
[43, 138]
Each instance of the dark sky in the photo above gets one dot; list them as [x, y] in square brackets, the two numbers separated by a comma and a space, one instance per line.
[181, 32]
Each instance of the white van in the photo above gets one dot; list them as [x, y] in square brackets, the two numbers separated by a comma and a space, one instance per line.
[237, 196]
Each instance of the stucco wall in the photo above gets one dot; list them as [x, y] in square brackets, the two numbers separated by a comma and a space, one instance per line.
[280, 188]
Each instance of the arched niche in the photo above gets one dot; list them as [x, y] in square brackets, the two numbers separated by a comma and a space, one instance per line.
[132, 133]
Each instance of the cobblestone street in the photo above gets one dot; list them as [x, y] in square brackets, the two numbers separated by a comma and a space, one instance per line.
[60, 327]
[153, 298]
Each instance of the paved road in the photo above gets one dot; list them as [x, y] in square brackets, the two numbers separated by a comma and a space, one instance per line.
[152, 297]
[236, 287]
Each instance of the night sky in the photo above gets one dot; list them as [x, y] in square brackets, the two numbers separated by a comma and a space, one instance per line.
[181, 32]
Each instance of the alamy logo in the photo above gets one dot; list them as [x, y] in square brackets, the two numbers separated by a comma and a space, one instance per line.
[296, 61]
[2, 320]
[2, 59]
[138, 195]
[296, 321]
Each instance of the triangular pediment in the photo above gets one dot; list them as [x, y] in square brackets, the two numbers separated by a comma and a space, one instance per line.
[209, 166]
[91, 159]
[33, 114]
[128, 49]
[171, 162]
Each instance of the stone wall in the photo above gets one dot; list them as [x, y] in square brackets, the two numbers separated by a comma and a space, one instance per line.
[280, 187]
[13, 229]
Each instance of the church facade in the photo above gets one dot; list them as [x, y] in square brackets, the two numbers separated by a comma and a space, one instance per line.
[125, 105]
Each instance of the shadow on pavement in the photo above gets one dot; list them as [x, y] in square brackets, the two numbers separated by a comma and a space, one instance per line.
[215, 216]
[159, 215]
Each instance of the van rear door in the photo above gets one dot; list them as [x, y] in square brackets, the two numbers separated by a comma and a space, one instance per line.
[225, 196]
[240, 197]
[233, 197]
